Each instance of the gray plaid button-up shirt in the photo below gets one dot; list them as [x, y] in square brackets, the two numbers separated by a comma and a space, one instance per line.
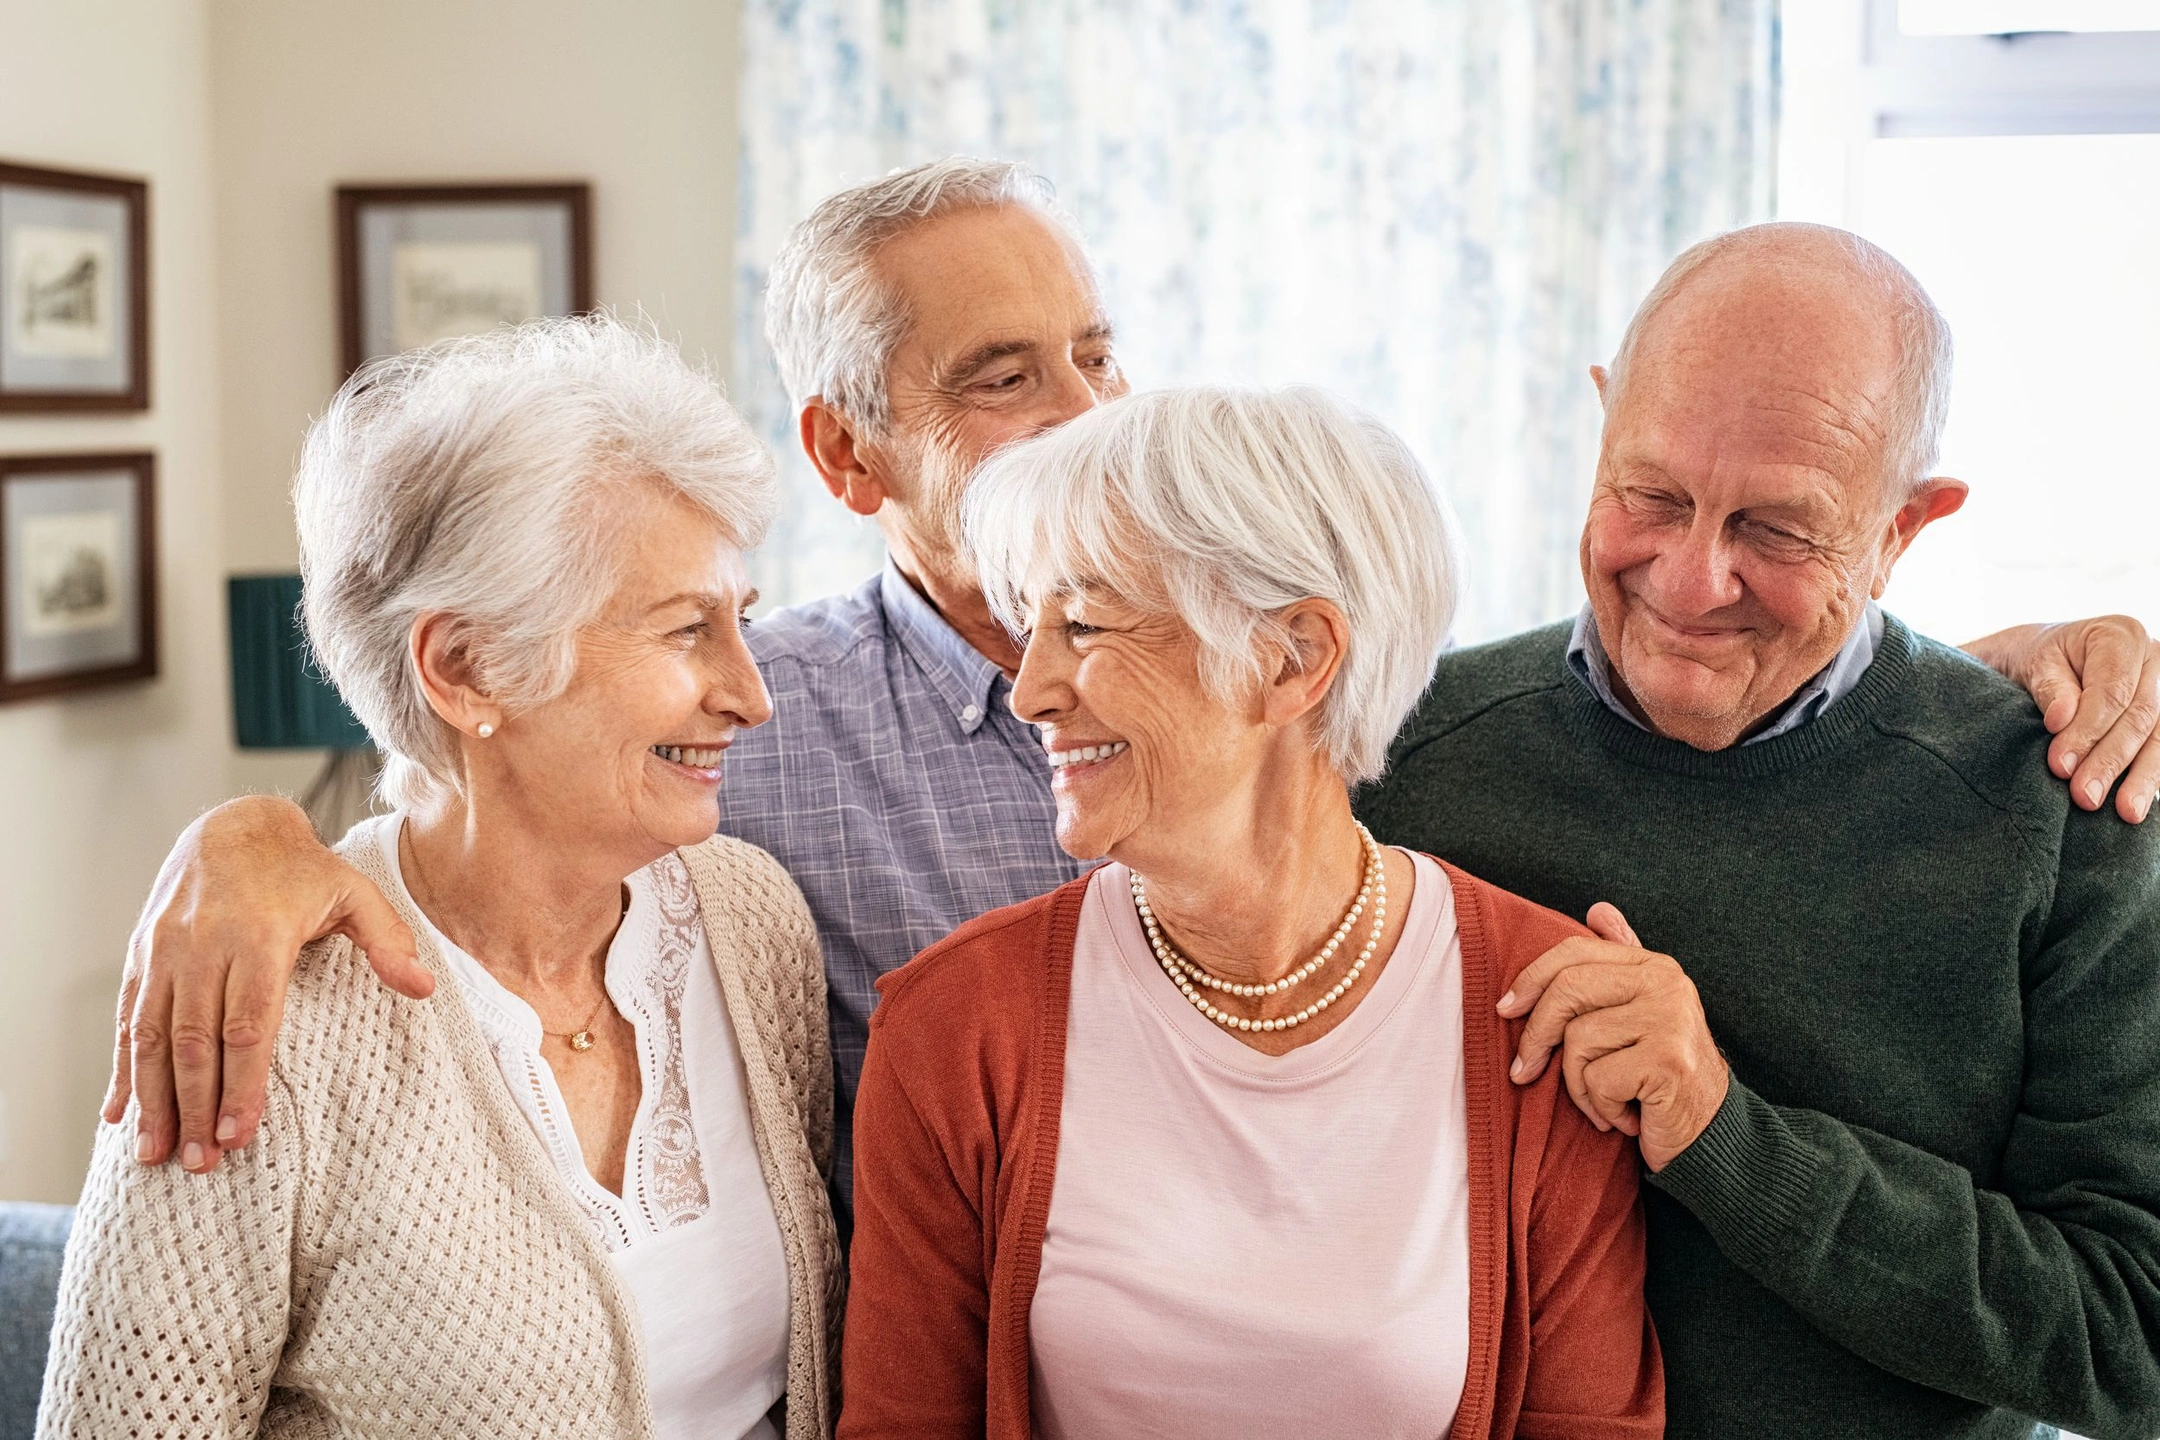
[898, 788]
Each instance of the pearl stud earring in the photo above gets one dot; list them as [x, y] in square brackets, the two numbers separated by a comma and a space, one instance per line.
[486, 729]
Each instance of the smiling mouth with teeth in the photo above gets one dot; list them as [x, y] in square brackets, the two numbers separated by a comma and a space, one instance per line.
[1086, 754]
[696, 757]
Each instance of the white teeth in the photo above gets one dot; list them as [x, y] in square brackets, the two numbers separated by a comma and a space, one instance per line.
[1086, 754]
[695, 757]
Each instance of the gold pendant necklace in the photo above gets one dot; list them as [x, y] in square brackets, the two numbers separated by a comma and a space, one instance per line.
[582, 1037]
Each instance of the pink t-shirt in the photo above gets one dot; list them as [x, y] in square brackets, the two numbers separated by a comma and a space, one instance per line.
[1242, 1245]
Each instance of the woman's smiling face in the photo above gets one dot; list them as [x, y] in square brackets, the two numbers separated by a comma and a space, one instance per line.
[1141, 750]
[628, 757]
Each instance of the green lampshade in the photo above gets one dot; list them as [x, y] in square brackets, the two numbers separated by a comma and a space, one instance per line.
[280, 700]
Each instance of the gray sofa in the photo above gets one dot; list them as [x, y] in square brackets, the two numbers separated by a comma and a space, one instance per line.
[32, 1240]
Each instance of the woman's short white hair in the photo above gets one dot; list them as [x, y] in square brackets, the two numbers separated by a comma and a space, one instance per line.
[831, 325]
[476, 478]
[1224, 507]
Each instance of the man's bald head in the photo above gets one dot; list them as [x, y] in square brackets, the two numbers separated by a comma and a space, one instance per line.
[1786, 283]
[1770, 424]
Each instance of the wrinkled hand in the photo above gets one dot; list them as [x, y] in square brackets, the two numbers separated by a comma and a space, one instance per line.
[2097, 683]
[245, 888]
[1634, 1046]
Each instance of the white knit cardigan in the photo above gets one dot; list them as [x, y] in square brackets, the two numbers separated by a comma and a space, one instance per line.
[395, 1255]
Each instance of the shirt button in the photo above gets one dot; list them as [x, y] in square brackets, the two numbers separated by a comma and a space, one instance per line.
[970, 715]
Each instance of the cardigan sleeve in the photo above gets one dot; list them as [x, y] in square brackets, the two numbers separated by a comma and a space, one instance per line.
[915, 1358]
[1595, 1372]
[176, 1291]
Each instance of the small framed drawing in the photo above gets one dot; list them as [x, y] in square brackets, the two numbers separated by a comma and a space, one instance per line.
[420, 263]
[75, 313]
[78, 572]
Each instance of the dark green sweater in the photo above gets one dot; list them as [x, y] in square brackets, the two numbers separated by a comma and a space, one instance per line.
[1931, 1203]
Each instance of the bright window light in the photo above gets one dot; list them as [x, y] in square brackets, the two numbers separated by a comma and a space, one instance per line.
[2039, 249]
[2007, 17]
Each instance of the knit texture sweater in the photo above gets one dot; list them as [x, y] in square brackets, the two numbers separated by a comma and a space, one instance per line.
[956, 1155]
[395, 1255]
[1930, 1205]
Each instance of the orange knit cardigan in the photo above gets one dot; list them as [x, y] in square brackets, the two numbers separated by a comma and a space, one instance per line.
[956, 1145]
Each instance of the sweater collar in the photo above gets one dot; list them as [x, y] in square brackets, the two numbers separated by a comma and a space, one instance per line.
[1839, 723]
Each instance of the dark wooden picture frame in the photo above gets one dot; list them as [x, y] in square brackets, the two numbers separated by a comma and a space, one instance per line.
[355, 201]
[142, 615]
[134, 345]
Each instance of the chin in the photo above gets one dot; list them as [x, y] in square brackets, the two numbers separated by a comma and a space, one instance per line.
[679, 827]
[1080, 835]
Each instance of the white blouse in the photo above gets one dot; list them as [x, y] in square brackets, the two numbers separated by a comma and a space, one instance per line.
[693, 1232]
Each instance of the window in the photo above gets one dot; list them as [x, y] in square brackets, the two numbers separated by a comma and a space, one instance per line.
[2018, 176]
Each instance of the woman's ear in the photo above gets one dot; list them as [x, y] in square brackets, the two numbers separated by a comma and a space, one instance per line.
[441, 654]
[1319, 637]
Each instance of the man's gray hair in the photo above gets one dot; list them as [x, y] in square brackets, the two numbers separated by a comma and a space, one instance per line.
[1224, 507]
[1920, 392]
[477, 478]
[831, 325]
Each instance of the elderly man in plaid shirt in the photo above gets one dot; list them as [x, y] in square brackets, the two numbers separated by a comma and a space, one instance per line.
[920, 321]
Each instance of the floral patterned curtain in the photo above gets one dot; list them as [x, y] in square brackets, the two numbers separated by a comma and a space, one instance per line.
[1444, 209]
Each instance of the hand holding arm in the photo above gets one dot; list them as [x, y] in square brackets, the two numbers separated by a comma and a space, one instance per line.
[2097, 683]
[245, 888]
[1634, 1045]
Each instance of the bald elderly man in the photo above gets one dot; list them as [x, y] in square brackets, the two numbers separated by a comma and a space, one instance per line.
[920, 321]
[1893, 1058]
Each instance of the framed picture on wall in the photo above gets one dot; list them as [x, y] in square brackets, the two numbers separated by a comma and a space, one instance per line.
[78, 572]
[420, 263]
[75, 308]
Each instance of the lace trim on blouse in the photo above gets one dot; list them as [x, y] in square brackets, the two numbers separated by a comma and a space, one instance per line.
[648, 975]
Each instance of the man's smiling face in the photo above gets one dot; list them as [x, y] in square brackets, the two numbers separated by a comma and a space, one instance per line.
[1005, 337]
[1741, 519]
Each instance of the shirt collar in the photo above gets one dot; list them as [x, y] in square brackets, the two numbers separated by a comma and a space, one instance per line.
[1587, 658]
[962, 675]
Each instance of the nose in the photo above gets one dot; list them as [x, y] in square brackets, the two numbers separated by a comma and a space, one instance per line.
[1697, 574]
[1070, 393]
[736, 691]
[1042, 691]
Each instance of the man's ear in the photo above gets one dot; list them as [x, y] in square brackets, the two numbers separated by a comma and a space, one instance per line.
[1936, 499]
[1598, 376]
[441, 655]
[851, 473]
[1320, 637]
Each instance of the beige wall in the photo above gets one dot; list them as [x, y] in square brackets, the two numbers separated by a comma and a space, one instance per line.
[635, 96]
[244, 114]
[92, 789]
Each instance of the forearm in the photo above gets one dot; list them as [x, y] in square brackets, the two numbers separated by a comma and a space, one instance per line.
[2002, 650]
[1899, 1257]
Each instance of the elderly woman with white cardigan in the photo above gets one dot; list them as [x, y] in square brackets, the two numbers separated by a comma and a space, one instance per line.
[578, 1190]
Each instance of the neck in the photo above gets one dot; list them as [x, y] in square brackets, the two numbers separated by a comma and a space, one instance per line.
[1257, 896]
[960, 601]
[535, 913]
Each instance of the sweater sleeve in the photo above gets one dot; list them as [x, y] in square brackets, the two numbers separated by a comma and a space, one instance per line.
[1595, 1372]
[176, 1291]
[915, 1358]
[2041, 1293]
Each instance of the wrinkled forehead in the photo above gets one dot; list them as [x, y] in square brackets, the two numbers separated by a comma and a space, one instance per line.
[1786, 378]
[992, 275]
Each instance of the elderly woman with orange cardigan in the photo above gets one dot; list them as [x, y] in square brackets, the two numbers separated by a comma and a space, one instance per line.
[1218, 1140]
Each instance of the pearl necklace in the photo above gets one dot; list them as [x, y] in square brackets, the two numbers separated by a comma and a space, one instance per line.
[1188, 975]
